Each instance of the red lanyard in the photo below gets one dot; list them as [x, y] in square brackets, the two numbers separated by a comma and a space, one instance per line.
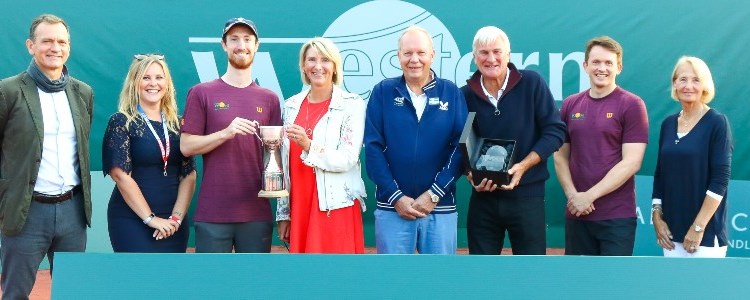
[164, 152]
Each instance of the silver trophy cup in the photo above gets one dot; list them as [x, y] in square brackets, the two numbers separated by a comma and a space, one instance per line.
[273, 175]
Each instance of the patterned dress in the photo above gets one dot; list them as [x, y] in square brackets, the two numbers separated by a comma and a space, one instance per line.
[134, 149]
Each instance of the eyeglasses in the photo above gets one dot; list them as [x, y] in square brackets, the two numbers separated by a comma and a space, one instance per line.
[140, 57]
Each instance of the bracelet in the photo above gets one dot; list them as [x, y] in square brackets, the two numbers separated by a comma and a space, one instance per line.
[176, 219]
[149, 218]
[657, 208]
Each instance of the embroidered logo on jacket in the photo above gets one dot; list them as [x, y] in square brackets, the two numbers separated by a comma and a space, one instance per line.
[398, 101]
[259, 109]
[609, 115]
[577, 116]
[220, 105]
[443, 105]
[433, 101]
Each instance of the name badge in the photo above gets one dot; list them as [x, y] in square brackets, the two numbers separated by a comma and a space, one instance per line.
[433, 101]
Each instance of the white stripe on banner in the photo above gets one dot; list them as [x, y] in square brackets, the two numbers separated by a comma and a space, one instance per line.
[207, 40]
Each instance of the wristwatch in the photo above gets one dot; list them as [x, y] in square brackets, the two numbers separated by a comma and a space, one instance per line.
[434, 198]
[697, 228]
[149, 218]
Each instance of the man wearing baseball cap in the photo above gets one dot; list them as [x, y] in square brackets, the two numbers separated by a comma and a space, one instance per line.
[221, 118]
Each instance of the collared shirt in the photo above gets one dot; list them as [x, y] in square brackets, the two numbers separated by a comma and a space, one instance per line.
[419, 101]
[58, 170]
[492, 98]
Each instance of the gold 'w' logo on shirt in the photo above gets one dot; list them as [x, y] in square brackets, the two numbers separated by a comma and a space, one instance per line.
[259, 109]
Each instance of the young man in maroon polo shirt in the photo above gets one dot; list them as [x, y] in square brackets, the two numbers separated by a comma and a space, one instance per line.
[221, 117]
[603, 149]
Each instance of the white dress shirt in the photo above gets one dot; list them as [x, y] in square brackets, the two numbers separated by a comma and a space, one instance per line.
[58, 171]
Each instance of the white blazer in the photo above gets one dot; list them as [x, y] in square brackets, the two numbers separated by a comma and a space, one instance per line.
[334, 152]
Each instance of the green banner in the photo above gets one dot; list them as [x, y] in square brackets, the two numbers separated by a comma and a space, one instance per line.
[546, 36]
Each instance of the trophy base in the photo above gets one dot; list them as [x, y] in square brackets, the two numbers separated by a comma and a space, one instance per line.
[273, 194]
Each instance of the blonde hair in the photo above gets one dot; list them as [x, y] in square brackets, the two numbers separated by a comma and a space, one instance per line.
[416, 28]
[704, 75]
[131, 96]
[326, 48]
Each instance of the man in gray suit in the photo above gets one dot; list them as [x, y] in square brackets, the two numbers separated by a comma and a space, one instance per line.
[45, 195]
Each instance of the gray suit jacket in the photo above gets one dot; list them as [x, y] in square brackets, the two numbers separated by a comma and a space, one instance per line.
[21, 136]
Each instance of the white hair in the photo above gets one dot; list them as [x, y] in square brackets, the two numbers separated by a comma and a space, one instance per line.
[488, 35]
[415, 28]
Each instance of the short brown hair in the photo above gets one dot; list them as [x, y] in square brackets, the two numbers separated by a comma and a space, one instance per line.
[607, 43]
[45, 18]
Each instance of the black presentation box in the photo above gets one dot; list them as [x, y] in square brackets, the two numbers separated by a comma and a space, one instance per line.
[475, 147]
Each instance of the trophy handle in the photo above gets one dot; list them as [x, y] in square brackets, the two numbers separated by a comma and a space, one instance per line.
[258, 136]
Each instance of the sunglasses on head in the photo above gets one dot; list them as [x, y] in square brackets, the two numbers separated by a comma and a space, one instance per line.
[144, 56]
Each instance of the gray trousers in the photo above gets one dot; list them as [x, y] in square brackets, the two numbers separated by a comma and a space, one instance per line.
[246, 237]
[49, 228]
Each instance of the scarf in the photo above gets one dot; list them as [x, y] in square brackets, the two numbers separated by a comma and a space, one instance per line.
[44, 83]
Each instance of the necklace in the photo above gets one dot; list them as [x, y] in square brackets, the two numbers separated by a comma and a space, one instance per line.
[320, 110]
[686, 121]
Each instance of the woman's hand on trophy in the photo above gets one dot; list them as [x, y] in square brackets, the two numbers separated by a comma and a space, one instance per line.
[240, 126]
[298, 135]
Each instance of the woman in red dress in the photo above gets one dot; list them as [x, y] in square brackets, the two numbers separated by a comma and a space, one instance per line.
[325, 127]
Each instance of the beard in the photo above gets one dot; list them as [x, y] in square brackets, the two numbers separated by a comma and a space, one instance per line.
[241, 64]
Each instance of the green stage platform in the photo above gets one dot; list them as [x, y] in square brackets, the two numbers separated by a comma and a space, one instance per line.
[286, 276]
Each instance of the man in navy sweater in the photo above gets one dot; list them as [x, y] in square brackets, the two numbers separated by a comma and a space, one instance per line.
[517, 105]
[412, 129]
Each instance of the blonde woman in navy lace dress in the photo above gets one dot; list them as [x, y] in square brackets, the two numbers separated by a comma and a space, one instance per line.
[154, 182]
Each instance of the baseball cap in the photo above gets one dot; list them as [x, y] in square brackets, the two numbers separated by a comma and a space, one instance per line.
[239, 21]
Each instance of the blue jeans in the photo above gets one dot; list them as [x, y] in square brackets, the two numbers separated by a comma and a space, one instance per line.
[49, 228]
[433, 234]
